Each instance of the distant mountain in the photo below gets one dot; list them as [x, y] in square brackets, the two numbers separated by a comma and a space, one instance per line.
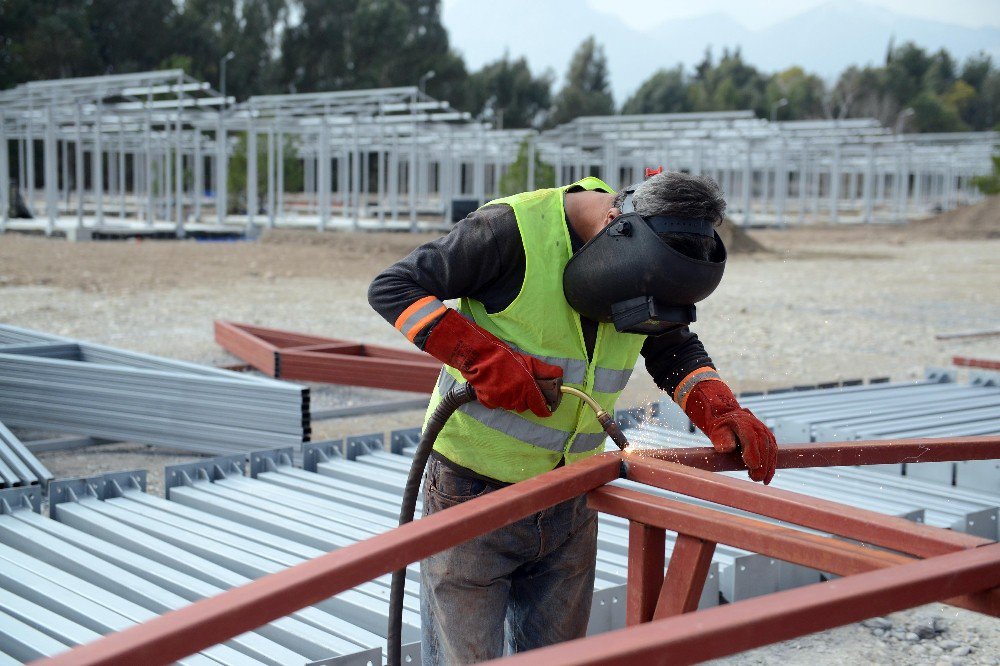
[825, 39]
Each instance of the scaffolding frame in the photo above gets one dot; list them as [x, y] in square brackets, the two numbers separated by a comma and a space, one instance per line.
[153, 150]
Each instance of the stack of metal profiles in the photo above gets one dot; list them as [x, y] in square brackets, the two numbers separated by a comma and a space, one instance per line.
[114, 556]
[963, 496]
[936, 406]
[62, 385]
[18, 466]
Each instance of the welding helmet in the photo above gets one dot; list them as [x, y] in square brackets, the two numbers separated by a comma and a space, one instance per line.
[628, 275]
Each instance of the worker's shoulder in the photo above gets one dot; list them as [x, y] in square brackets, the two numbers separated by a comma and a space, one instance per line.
[499, 217]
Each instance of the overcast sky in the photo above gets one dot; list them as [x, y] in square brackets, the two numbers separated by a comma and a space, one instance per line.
[640, 36]
[754, 14]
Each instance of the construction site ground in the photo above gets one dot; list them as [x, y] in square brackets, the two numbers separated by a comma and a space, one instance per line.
[820, 304]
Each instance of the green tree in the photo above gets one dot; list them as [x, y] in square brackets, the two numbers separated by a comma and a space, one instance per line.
[515, 179]
[731, 85]
[587, 91]
[805, 94]
[349, 44]
[45, 40]
[990, 184]
[506, 93]
[666, 91]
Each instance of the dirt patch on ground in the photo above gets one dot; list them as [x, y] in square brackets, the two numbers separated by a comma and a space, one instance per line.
[976, 222]
[738, 240]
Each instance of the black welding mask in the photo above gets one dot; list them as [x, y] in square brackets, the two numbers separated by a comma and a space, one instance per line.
[628, 275]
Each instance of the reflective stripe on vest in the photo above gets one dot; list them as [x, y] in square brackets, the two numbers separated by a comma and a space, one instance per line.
[527, 431]
[610, 381]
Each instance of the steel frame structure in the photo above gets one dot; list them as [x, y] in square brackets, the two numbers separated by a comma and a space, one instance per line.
[289, 355]
[889, 564]
[145, 148]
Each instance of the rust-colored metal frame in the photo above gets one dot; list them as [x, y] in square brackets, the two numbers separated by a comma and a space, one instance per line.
[891, 564]
[984, 363]
[311, 358]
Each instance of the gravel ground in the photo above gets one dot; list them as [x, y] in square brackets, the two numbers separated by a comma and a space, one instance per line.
[822, 304]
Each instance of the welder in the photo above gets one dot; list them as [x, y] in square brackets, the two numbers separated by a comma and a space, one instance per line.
[575, 283]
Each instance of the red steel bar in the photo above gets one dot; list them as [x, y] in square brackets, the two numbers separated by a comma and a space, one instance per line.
[179, 633]
[356, 365]
[985, 363]
[689, 564]
[831, 454]
[247, 345]
[784, 543]
[864, 526]
[646, 552]
[291, 355]
[724, 630]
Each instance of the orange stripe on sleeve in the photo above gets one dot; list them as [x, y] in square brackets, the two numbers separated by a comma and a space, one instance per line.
[684, 387]
[413, 307]
[420, 325]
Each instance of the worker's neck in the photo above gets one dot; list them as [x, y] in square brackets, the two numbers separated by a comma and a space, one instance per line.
[588, 212]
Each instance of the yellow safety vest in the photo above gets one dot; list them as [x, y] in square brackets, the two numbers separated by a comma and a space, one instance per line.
[513, 446]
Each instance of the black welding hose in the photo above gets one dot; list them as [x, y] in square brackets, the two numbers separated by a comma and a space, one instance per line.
[454, 399]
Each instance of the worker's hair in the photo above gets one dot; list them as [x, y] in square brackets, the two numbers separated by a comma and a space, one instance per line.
[679, 194]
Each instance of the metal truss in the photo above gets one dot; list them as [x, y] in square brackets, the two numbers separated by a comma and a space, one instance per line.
[152, 151]
[291, 355]
[886, 563]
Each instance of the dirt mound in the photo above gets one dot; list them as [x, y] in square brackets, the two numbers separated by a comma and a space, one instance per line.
[737, 240]
[976, 222]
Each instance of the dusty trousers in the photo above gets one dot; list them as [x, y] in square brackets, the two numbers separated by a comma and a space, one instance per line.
[524, 586]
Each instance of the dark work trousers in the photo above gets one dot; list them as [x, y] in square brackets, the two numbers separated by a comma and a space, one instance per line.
[524, 586]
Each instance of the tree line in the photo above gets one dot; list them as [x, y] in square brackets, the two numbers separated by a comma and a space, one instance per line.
[289, 46]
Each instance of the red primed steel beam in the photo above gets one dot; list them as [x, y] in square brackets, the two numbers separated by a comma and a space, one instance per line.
[179, 633]
[690, 561]
[865, 526]
[246, 346]
[417, 375]
[291, 355]
[646, 552]
[967, 362]
[784, 543]
[724, 630]
[831, 454]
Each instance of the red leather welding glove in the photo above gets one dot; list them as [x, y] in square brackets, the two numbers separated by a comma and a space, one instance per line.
[501, 376]
[712, 407]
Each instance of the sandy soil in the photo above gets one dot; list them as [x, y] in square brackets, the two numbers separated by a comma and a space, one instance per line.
[821, 304]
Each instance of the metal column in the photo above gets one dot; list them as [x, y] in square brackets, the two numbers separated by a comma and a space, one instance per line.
[279, 164]
[122, 170]
[221, 195]
[270, 176]
[251, 175]
[835, 185]
[148, 159]
[97, 168]
[51, 185]
[78, 167]
[4, 175]
[199, 174]
[867, 189]
[780, 183]
[748, 184]
[323, 182]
